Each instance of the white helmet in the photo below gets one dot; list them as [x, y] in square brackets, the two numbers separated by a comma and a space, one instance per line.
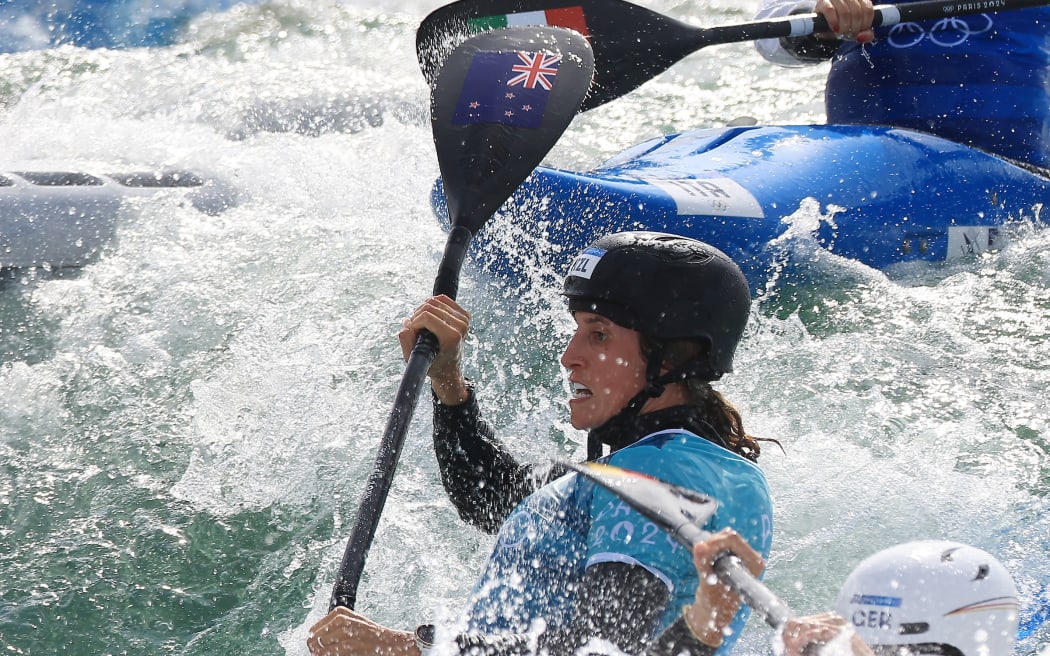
[938, 597]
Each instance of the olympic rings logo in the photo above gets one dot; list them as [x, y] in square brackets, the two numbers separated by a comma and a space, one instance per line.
[947, 32]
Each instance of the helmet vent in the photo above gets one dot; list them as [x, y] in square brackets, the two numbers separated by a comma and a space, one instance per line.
[982, 573]
[946, 557]
[913, 628]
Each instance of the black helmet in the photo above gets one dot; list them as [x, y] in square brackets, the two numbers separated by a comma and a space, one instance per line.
[667, 287]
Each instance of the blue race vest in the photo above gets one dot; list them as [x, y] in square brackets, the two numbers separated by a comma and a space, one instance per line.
[982, 79]
[554, 534]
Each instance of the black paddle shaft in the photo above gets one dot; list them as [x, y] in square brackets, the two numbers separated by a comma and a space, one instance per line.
[484, 155]
[379, 481]
[633, 44]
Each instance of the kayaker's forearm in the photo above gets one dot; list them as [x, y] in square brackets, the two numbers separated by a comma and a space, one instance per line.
[483, 481]
[450, 391]
[674, 641]
[618, 603]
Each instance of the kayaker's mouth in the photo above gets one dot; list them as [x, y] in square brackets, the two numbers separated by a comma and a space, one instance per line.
[580, 391]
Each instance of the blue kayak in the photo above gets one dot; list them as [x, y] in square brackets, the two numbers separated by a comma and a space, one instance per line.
[38, 24]
[878, 195]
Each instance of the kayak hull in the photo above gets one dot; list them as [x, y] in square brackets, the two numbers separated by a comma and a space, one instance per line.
[64, 216]
[878, 195]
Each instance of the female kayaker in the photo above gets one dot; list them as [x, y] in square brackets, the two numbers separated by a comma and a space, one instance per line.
[922, 597]
[658, 317]
[981, 79]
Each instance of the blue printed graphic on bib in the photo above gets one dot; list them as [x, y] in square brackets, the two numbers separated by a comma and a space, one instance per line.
[537, 563]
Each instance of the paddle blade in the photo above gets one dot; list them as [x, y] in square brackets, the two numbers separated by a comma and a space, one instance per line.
[631, 44]
[501, 102]
[678, 510]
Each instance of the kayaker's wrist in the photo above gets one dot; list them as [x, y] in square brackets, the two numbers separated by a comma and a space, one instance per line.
[702, 625]
[451, 391]
[406, 645]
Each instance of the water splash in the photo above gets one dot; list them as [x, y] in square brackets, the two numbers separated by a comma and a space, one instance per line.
[186, 423]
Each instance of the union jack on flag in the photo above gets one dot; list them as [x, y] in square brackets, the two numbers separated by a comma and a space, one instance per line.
[537, 68]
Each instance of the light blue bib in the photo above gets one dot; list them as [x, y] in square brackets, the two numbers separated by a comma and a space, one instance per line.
[554, 534]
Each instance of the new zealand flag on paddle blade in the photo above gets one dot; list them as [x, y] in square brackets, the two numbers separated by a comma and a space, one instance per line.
[511, 88]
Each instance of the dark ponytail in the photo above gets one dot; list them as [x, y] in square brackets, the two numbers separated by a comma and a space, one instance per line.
[714, 408]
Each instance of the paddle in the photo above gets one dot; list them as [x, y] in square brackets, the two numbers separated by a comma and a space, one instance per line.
[633, 45]
[681, 512]
[486, 147]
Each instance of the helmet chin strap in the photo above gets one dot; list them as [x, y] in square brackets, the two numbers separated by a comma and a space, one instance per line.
[619, 422]
[654, 383]
[654, 386]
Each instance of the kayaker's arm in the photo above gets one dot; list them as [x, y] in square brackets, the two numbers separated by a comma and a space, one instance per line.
[618, 603]
[483, 481]
[623, 603]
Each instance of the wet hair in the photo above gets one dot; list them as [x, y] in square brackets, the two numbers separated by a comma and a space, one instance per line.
[715, 409]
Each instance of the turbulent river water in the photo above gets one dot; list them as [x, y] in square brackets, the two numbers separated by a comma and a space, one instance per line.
[186, 423]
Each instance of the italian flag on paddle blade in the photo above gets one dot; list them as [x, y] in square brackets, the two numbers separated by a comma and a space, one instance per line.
[570, 17]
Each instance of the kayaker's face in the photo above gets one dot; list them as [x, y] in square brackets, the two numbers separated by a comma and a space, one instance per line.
[606, 369]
